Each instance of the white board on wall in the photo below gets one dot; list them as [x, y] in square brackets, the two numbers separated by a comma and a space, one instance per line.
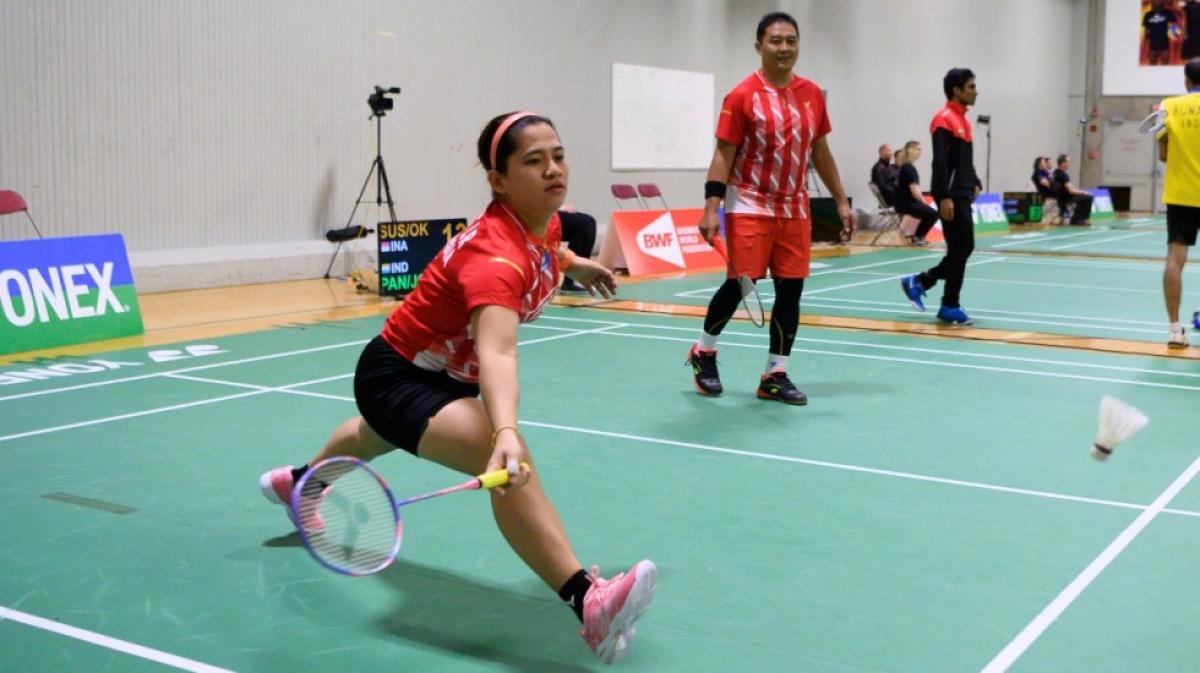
[661, 118]
[1123, 73]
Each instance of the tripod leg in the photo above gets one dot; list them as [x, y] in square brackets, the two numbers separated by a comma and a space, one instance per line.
[357, 202]
[387, 189]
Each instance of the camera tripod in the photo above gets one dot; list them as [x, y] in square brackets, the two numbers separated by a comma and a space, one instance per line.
[382, 188]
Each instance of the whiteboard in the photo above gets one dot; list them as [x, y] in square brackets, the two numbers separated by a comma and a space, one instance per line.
[661, 119]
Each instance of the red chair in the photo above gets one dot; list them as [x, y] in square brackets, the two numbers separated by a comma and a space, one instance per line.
[12, 202]
[650, 191]
[624, 193]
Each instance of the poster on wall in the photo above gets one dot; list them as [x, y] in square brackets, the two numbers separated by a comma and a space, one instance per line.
[1146, 43]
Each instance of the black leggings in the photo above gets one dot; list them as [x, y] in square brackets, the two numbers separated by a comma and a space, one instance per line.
[785, 312]
[960, 243]
[579, 232]
[928, 217]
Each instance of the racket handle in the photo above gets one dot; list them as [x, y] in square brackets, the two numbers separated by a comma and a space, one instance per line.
[496, 477]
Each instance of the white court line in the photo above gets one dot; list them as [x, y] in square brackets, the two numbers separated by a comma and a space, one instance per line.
[701, 292]
[269, 389]
[257, 390]
[1031, 314]
[1002, 661]
[226, 363]
[975, 279]
[938, 351]
[214, 365]
[766, 456]
[1102, 240]
[984, 313]
[1042, 240]
[157, 656]
[935, 363]
[880, 280]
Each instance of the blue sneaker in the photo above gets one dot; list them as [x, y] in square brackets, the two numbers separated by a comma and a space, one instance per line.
[914, 291]
[953, 315]
[1196, 321]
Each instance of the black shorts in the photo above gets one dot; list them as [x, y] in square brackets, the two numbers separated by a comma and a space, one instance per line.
[1182, 222]
[397, 398]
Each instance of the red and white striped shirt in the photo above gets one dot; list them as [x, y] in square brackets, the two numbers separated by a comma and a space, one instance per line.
[774, 130]
[495, 261]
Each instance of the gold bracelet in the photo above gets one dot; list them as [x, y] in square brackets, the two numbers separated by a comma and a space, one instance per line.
[502, 428]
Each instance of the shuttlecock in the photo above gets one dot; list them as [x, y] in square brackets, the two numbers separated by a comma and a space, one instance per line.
[1118, 421]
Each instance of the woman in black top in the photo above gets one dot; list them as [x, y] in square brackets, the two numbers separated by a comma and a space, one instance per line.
[1041, 177]
[909, 200]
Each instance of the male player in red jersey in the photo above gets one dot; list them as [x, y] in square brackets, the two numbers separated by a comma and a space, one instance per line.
[770, 124]
[418, 383]
[955, 186]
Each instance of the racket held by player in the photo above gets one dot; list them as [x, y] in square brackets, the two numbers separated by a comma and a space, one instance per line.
[350, 521]
[750, 299]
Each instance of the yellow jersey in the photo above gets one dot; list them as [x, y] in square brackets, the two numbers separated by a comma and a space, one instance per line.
[1182, 128]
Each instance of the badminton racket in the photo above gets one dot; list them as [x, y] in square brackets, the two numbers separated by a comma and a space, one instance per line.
[350, 521]
[1153, 122]
[750, 299]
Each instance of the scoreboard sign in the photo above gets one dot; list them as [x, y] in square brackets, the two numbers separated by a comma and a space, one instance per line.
[406, 248]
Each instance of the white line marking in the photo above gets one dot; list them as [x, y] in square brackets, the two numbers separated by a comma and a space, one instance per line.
[976, 309]
[880, 280]
[1046, 617]
[976, 279]
[1049, 238]
[157, 656]
[1103, 240]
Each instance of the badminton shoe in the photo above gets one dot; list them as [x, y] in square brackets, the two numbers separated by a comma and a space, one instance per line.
[704, 371]
[611, 607]
[1177, 339]
[913, 290]
[277, 485]
[1196, 320]
[953, 315]
[777, 386]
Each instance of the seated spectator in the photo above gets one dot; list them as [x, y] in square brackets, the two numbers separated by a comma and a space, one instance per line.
[883, 175]
[579, 233]
[909, 200]
[1068, 194]
[1041, 179]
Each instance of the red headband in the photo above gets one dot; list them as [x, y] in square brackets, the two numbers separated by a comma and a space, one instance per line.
[504, 126]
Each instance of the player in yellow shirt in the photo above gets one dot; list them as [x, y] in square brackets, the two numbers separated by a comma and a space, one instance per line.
[1179, 146]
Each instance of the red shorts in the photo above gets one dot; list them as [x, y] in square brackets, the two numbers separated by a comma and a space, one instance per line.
[760, 242]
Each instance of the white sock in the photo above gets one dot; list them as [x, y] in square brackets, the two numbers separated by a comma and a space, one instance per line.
[708, 342]
[776, 363]
[1175, 327]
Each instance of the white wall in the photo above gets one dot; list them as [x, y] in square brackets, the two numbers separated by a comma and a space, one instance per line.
[196, 126]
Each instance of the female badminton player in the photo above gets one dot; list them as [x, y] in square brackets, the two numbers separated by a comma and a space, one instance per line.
[418, 384]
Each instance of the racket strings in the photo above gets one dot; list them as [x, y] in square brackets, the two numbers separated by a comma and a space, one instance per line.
[751, 301]
[360, 532]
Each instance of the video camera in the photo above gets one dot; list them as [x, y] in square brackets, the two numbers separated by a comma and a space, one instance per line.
[379, 101]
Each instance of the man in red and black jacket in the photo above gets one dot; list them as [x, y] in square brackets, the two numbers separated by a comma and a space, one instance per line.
[954, 186]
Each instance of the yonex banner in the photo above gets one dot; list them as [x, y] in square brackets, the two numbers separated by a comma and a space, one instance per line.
[61, 291]
[658, 241]
[988, 213]
[1102, 205]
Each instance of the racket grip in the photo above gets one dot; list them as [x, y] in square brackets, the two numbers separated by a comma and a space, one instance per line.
[496, 477]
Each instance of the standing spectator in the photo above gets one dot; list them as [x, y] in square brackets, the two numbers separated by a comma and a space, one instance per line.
[1157, 23]
[1191, 38]
[955, 186]
[1179, 146]
[883, 176]
[1067, 193]
[579, 233]
[770, 124]
[909, 200]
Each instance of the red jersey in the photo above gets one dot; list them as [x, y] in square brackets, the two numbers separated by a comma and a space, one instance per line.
[773, 130]
[495, 261]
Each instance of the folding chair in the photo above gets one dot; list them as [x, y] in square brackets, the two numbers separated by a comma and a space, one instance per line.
[650, 190]
[624, 193]
[12, 202]
[891, 220]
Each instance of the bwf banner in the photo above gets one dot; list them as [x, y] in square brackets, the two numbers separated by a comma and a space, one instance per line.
[61, 291]
[662, 241]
